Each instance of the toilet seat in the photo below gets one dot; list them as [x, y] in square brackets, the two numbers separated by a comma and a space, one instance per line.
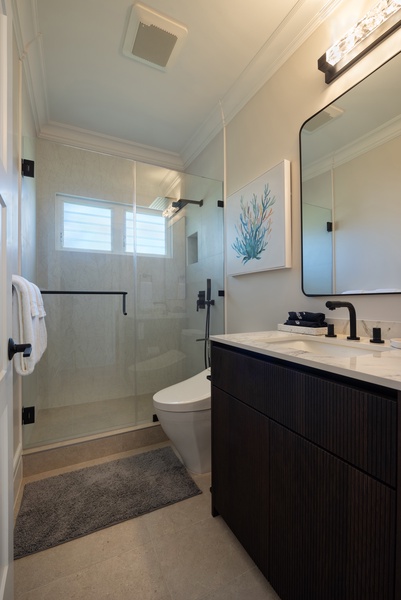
[190, 395]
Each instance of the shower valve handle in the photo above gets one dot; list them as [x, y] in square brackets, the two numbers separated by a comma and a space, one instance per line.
[201, 301]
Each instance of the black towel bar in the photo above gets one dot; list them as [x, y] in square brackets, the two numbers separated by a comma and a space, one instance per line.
[123, 294]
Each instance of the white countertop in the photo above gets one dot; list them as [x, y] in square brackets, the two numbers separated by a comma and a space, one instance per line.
[381, 365]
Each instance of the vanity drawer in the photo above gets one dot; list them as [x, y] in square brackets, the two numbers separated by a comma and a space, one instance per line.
[353, 423]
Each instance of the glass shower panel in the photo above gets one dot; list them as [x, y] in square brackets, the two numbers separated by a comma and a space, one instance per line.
[170, 344]
[84, 386]
[205, 260]
[82, 381]
[102, 367]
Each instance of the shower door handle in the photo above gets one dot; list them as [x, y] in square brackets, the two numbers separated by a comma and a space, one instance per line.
[13, 348]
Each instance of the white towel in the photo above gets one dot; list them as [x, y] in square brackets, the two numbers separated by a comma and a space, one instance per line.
[40, 322]
[39, 301]
[28, 323]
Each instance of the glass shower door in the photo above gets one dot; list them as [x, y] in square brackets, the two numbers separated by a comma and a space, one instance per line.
[101, 228]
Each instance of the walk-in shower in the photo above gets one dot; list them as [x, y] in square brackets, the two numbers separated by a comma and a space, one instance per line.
[120, 283]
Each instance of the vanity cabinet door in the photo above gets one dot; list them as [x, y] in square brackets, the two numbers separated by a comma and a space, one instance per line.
[240, 444]
[332, 527]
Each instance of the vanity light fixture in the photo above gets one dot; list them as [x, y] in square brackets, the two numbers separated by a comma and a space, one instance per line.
[382, 20]
[177, 205]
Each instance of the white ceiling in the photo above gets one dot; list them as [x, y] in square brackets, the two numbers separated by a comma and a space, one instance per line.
[85, 91]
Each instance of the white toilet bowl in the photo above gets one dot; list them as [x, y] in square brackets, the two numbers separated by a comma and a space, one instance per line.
[184, 412]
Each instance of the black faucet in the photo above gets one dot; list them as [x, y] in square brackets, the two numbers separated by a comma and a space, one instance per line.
[332, 305]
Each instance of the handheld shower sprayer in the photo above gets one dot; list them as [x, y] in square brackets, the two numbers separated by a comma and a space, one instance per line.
[204, 301]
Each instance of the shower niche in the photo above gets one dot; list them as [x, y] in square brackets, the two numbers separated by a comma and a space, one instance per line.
[192, 248]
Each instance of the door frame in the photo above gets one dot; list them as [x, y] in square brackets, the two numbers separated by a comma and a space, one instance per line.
[9, 235]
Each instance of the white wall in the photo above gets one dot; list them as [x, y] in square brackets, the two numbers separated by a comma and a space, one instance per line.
[260, 136]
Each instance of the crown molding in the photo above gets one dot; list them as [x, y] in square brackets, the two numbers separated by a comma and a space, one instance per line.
[88, 140]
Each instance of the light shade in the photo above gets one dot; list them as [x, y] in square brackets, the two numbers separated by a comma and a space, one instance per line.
[382, 20]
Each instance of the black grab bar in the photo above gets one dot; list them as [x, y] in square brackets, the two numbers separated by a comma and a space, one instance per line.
[123, 294]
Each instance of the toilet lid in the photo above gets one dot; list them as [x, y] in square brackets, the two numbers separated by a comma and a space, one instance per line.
[190, 395]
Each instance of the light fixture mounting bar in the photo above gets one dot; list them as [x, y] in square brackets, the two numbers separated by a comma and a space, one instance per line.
[359, 40]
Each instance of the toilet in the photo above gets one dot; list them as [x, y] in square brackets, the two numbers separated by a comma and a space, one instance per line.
[184, 412]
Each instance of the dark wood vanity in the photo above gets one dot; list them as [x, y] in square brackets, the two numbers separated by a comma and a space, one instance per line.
[306, 473]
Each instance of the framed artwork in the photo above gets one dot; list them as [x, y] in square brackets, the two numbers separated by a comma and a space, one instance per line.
[258, 223]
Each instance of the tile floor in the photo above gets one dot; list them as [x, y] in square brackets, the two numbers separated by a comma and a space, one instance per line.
[176, 553]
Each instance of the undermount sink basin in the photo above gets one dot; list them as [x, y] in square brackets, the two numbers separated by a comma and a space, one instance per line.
[325, 348]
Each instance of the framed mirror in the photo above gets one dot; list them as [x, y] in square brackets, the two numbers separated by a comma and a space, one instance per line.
[351, 190]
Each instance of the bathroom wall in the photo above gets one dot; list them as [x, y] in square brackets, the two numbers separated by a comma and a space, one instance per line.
[265, 132]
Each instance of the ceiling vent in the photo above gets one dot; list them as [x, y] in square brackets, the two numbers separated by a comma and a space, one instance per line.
[153, 38]
[322, 118]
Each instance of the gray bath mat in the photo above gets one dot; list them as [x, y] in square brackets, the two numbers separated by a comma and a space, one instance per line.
[61, 508]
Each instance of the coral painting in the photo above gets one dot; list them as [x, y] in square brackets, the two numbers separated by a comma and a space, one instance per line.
[254, 227]
[258, 222]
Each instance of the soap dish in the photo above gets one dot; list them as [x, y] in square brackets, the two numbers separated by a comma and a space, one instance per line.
[395, 342]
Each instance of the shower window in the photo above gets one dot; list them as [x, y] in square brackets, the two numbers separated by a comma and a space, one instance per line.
[151, 232]
[89, 225]
[86, 227]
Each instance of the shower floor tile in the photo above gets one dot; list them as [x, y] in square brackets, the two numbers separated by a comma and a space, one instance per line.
[80, 420]
[175, 553]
